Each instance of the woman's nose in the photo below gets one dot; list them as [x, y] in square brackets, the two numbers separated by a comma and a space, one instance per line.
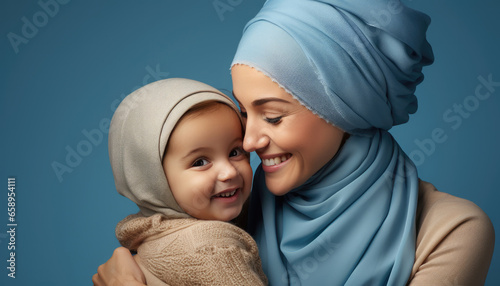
[227, 172]
[254, 138]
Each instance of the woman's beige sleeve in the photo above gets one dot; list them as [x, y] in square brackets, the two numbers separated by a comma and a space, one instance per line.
[455, 241]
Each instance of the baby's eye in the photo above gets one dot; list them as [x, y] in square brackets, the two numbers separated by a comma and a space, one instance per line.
[236, 152]
[200, 162]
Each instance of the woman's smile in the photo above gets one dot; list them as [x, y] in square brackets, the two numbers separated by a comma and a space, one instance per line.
[274, 163]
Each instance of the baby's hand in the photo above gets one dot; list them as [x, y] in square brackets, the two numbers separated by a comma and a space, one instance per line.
[120, 269]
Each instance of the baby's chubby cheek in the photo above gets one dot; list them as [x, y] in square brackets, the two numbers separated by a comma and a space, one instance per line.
[199, 201]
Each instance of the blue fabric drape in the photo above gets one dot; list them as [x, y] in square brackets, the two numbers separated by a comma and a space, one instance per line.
[352, 223]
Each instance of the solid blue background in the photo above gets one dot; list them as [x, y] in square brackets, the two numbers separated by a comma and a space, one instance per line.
[61, 81]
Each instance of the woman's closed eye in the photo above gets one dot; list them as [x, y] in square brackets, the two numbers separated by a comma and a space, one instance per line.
[273, 120]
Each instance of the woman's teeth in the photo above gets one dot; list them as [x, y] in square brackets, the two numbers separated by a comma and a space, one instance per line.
[274, 161]
[225, 195]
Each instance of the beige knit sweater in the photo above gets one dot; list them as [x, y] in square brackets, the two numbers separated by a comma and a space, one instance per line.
[191, 252]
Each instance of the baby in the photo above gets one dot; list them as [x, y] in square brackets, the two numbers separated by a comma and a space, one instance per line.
[175, 148]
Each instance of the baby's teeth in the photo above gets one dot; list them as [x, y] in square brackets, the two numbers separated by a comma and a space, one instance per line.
[227, 194]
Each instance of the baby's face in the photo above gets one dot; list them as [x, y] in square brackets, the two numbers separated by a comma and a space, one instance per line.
[207, 170]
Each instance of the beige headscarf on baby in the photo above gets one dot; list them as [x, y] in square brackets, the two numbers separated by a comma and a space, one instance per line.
[139, 133]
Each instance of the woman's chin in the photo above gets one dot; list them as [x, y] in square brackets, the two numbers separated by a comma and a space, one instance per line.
[278, 188]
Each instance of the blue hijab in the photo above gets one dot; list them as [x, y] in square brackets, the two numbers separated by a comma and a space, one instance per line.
[355, 64]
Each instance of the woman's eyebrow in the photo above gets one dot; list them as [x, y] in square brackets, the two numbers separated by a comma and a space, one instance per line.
[262, 101]
[265, 100]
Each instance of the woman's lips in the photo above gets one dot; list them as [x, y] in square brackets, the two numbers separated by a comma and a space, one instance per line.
[275, 162]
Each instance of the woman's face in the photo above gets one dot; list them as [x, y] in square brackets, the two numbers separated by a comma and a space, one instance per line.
[292, 142]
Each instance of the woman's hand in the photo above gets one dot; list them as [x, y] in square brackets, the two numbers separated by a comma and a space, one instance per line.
[120, 269]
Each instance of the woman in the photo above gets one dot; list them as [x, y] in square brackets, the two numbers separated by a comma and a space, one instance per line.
[335, 199]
